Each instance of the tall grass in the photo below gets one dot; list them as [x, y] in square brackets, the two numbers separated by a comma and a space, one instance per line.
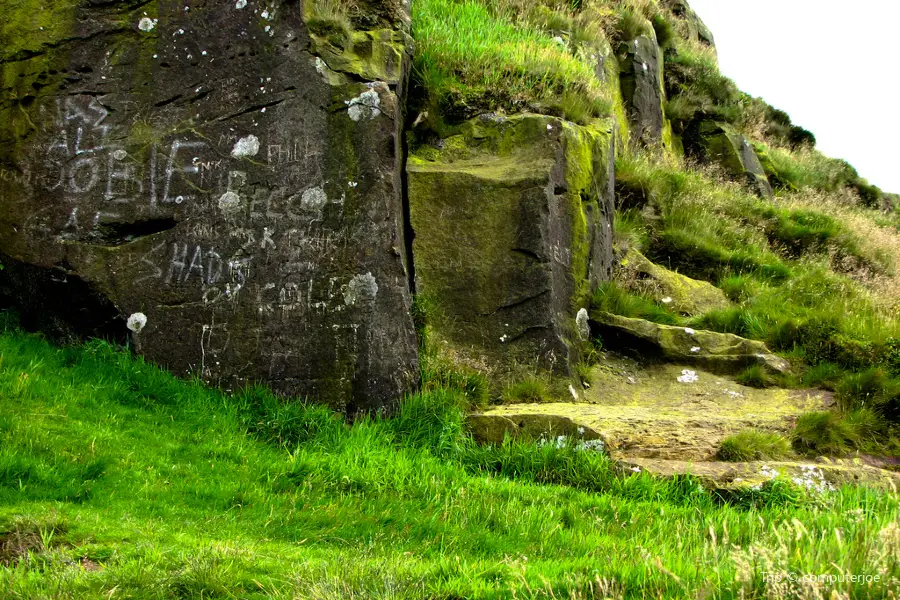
[119, 480]
[467, 54]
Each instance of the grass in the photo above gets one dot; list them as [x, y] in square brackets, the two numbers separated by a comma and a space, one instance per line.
[611, 297]
[529, 389]
[800, 278]
[753, 445]
[117, 479]
[472, 58]
[824, 433]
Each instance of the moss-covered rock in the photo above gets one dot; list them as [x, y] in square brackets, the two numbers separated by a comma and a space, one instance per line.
[718, 352]
[680, 293]
[722, 144]
[206, 169]
[512, 225]
[493, 428]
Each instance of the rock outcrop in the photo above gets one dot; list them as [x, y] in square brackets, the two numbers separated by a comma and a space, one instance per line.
[717, 352]
[720, 143]
[512, 222]
[641, 82]
[229, 173]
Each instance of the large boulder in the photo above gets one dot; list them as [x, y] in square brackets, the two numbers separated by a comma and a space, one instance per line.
[222, 175]
[512, 221]
[720, 143]
[641, 83]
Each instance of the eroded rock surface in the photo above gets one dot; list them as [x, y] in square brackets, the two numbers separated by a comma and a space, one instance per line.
[512, 220]
[641, 82]
[201, 166]
[719, 352]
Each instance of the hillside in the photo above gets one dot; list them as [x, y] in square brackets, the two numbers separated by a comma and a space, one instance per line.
[459, 299]
[118, 480]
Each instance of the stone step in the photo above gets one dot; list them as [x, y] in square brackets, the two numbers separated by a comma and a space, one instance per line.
[647, 412]
[822, 474]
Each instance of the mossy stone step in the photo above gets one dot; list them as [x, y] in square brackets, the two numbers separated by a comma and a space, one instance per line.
[719, 352]
[648, 413]
[821, 475]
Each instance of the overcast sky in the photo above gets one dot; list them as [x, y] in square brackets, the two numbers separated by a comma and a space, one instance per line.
[832, 65]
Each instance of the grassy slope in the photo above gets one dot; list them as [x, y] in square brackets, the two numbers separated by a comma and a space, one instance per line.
[125, 482]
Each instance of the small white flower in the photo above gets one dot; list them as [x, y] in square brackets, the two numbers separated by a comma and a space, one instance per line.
[667, 300]
[136, 322]
[636, 469]
[695, 349]
[689, 331]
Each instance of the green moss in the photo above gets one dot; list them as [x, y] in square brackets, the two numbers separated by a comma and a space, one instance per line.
[28, 27]
[376, 55]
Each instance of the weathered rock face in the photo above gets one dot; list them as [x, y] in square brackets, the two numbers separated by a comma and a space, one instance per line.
[513, 223]
[204, 168]
[641, 82]
[721, 143]
[718, 352]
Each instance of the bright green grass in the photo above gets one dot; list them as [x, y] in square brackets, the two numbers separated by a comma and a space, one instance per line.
[177, 491]
[470, 56]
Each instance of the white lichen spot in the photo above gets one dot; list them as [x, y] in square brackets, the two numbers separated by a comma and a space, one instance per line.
[695, 349]
[246, 146]
[688, 376]
[313, 199]
[136, 322]
[644, 66]
[582, 325]
[146, 24]
[365, 106]
[240, 4]
[229, 202]
[120, 154]
[362, 288]
[321, 67]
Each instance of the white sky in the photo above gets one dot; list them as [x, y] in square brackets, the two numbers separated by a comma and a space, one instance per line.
[832, 65]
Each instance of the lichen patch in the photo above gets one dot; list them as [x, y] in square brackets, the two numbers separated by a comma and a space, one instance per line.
[246, 146]
[365, 106]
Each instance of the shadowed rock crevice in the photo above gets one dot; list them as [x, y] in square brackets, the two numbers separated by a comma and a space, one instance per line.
[116, 234]
[58, 303]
